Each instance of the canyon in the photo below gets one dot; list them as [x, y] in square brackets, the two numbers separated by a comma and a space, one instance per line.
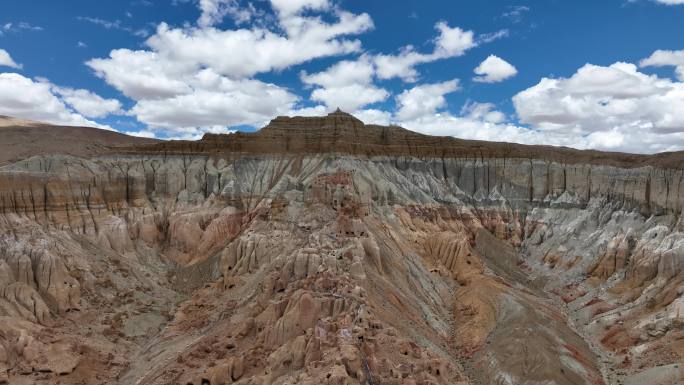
[321, 250]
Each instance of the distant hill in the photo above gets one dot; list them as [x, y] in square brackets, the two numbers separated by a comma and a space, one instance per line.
[21, 139]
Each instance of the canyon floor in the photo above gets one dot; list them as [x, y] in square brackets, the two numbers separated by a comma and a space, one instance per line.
[326, 251]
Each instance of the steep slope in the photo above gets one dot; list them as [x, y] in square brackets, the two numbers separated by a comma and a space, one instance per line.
[324, 251]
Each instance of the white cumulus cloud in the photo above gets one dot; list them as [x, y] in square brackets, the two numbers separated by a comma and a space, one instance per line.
[374, 116]
[213, 12]
[88, 103]
[185, 81]
[493, 70]
[26, 98]
[615, 107]
[450, 42]
[453, 42]
[424, 99]
[256, 50]
[483, 111]
[663, 58]
[347, 84]
[215, 100]
[342, 73]
[350, 97]
[196, 78]
[290, 7]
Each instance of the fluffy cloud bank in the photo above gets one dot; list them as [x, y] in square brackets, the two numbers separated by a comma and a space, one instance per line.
[615, 107]
[188, 80]
[184, 84]
[42, 101]
[347, 84]
[423, 100]
[87, 103]
[350, 84]
[184, 81]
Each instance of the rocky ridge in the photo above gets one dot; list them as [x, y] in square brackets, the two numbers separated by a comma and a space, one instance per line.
[323, 250]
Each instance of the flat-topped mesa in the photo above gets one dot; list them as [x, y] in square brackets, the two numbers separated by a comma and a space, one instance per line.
[337, 121]
[342, 133]
[338, 132]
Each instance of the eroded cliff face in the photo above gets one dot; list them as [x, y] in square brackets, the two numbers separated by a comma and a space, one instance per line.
[323, 251]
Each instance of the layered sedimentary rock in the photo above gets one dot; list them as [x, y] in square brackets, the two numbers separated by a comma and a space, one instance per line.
[326, 251]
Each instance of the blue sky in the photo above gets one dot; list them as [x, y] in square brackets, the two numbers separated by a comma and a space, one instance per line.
[588, 74]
